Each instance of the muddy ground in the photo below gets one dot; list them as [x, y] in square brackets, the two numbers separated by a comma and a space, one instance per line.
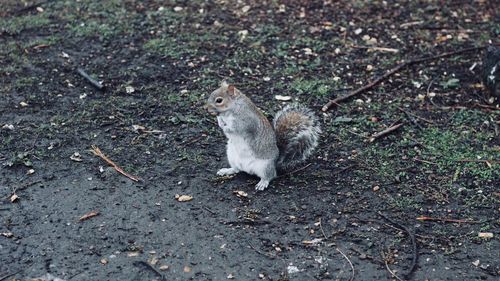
[158, 61]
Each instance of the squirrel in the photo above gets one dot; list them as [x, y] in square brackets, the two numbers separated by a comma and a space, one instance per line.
[256, 147]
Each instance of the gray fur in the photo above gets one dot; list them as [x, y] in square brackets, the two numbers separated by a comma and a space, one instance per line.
[298, 143]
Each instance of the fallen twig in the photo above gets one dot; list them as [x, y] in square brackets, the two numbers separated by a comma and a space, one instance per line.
[424, 218]
[388, 268]
[150, 267]
[296, 170]
[99, 153]
[350, 263]
[89, 215]
[411, 234]
[92, 81]
[487, 161]
[9, 275]
[393, 71]
[385, 132]
[381, 49]
[416, 116]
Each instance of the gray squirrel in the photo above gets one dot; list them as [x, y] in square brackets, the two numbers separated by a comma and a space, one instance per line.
[256, 147]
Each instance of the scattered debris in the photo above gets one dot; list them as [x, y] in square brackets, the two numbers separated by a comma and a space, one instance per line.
[240, 193]
[129, 89]
[384, 132]
[7, 234]
[392, 72]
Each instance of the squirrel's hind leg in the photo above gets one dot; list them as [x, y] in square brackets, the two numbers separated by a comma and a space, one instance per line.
[227, 171]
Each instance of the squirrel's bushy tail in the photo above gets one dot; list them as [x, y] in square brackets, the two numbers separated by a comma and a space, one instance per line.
[297, 134]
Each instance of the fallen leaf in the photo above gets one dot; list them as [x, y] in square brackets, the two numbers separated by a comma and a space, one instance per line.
[129, 89]
[240, 193]
[89, 215]
[183, 198]
[312, 242]
[76, 157]
[283, 98]
[153, 261]
[7, 234]
[14, 198]
[485, 235]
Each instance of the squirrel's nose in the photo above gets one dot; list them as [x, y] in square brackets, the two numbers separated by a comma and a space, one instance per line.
[211, 109]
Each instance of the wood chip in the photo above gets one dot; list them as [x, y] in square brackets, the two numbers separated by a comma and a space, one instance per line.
[89, 215]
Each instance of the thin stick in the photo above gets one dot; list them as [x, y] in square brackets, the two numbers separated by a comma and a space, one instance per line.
[392, 72]
[92, 81]
[350, 263]
[99, 153]
[296, 171]
[9, 275]
[480, 161]
[385, 132]
[382, 49]
[413, 243]
[389, 269]
[321, 228]
[416, 116]
[424, 218]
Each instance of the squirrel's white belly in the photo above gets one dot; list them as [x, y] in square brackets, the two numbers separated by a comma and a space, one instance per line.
[241, 157]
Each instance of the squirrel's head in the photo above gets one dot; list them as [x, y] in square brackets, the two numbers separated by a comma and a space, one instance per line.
[220, 99]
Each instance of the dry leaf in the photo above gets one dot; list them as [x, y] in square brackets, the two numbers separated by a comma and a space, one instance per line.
[283, 98]
[312, 242]
[7, 234]
[485, 235]
[89, 215]
[183, 198]
[14, 198]
[240, 193]
[76, 157]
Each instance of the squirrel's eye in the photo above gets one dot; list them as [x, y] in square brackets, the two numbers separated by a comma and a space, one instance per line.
[219, 100]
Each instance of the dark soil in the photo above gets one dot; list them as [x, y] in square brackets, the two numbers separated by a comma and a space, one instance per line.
[159, 61]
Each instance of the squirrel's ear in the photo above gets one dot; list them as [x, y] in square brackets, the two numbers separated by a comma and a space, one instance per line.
[230, 89]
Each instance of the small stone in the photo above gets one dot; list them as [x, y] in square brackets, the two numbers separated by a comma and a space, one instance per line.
[245, 9]
[369, 67]
[164, 267]
[230, 276]
[104, 261]
[178, 9]
[187, 269]
[358, 31]
[23, 104]
[8, 127]
[476, 263]
[376, 188]
[30, 171]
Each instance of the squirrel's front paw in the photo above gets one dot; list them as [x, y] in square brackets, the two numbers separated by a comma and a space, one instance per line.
[226, 172]
[263, 184]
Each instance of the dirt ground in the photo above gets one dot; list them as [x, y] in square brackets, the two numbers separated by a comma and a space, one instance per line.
[349, 213]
